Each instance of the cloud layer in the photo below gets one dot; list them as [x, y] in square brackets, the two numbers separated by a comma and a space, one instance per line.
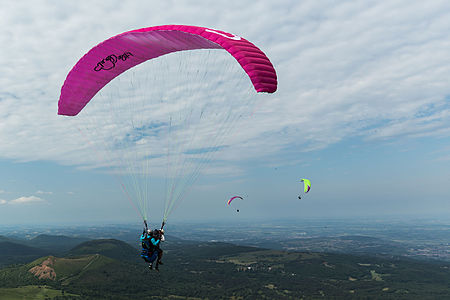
[372, 70]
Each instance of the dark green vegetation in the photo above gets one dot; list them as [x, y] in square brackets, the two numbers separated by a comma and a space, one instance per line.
[108, 269]
[13, 250]
[33, 292]
[11, 253]
[107, 247]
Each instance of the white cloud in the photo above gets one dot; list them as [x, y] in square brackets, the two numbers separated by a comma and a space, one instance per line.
[3, 201]
[24, 200]
[376, 70]
[43, 193]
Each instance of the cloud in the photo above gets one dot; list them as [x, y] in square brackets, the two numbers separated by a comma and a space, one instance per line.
[43, 193]
[3, 201]
[25, 200]
[373, 70]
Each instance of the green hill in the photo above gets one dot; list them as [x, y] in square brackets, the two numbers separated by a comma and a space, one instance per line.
[9, 248]
[108, 247]
[56, 274]
[10, 239]
[58, 244]
[13, 253]
[65, 270]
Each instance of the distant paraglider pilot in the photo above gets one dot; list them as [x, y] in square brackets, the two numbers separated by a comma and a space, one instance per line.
[232, 198]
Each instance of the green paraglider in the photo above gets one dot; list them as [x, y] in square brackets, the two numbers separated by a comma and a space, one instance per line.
[306, 186]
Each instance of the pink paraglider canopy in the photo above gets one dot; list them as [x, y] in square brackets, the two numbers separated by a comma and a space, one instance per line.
[117, 54]
[232, 198]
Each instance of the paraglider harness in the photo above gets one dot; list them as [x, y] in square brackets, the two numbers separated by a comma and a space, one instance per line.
[149, 251]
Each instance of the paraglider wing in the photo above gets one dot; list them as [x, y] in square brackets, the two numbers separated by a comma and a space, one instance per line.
[163, 112]
[307, 185]
[114, 56]
[232, 198]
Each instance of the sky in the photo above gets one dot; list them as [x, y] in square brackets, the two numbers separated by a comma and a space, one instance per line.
[362, 110]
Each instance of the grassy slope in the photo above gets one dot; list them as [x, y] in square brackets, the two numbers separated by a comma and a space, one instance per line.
[31, 292]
